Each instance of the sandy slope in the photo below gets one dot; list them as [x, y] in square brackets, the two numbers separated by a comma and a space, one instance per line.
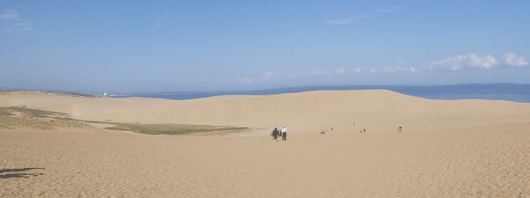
[468, 148]
[376, 110]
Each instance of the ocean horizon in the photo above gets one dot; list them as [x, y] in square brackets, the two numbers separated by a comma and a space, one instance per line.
[498, 91]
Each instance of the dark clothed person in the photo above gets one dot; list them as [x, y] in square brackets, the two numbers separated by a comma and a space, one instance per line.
[275, 133]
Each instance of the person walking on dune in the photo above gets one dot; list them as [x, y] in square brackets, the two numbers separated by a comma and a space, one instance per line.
[275, 134]
[284, 133]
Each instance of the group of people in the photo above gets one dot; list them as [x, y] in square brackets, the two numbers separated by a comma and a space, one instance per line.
[283, 134]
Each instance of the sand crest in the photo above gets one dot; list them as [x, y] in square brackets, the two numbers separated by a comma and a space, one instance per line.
[464, 148]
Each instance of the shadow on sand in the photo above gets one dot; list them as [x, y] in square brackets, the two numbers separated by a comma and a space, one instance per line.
[17, 173]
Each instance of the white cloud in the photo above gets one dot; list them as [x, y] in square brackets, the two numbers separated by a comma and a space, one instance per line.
[10, 14]
[342, 21]
[513, 60]
[25, 26]
[393, 69]
[400, 61]
[454, 63]
[159, 23]
[19, 25]
[358, 17]
[319, 72]
[390, 69]
[339, 71]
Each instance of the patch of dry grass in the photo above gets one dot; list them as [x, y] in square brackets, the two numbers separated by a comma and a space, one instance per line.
[174, 129]
[22, 117]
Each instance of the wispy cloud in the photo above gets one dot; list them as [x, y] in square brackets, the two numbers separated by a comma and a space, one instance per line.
[18, 24]
[390, 69]
[513, 60]
[10, 14]
[454, 63]
[356, 18]
[250, 80]
[159, 23]
[329, 73]
[394, 69]
[338, 71]
[24, 26]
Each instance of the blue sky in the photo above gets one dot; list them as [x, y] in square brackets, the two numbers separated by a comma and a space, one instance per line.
[125, 46]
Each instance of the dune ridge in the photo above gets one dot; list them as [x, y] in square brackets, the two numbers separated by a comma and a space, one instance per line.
[463, 148]
[378, 110]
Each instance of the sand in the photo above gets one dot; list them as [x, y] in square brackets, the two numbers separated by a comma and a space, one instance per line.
[463, 148]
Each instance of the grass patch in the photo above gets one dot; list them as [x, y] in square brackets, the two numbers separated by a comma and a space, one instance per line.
[33, 112]
[5, 112]
[173, 129]
[22, 117]
[31, 118]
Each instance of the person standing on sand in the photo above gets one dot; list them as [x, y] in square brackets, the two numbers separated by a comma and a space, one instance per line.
[284, 133]
[275, 134]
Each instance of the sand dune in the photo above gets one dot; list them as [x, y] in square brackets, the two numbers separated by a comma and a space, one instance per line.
[377, 110]
[464, 148]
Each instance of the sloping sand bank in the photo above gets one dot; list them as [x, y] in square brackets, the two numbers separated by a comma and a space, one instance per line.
[468, 148]
[379, 111]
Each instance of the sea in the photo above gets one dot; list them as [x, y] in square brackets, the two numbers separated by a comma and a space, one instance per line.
[499, 91]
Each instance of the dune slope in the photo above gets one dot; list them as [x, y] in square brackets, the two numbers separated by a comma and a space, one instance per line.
[467, 148]
[375, 110]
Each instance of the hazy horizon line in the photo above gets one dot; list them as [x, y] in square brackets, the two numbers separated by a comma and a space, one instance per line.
[313, 87]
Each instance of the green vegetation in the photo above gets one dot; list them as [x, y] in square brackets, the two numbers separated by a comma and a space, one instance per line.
[32, 112]
[173, 129]
[73, 94]
[21, 117]
[39, 119]
[5, 112]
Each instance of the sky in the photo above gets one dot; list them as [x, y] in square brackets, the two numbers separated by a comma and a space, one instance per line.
[162, 46]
